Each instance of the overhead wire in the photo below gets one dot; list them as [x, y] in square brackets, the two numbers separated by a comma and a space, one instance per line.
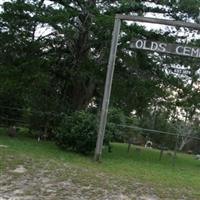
[10, 119]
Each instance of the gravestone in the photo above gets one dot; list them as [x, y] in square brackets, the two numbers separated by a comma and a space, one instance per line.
[12, 131]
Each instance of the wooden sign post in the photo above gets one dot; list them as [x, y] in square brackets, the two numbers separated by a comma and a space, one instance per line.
[107, 90]
[139, 44]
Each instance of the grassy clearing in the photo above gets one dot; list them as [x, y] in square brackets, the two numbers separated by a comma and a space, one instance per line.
[143, 167]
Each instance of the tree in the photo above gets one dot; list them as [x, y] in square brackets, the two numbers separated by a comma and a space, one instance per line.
[186, 133]
[54, 58]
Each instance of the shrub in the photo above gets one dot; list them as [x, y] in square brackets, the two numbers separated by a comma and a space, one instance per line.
[78, 132]
[113, 130]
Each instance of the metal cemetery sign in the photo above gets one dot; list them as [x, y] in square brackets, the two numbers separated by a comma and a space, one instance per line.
[168, 48]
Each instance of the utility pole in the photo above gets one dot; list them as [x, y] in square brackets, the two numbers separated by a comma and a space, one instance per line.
[107, 89]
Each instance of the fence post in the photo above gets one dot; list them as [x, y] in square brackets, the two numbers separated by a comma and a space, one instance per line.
[175, 151]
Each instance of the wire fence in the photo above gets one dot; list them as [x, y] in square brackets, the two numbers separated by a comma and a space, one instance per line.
[56, 114]
[156, 131]
[53, 113]
[24, 122]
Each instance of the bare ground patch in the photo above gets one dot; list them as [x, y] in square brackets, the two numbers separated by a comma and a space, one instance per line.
[24, 178]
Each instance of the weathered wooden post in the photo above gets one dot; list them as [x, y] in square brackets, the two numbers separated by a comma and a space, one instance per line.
[161, 154]
[107, 90]
[175, 151]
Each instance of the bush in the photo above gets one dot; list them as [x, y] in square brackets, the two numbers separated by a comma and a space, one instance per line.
[113, 130]
[78, 132]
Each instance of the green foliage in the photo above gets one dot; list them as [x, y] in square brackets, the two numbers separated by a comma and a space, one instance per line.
[53, 59]
[78, 132]
[190, 7]
[116, 118]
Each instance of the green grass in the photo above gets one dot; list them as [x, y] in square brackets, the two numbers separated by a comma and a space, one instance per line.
[143, 167]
